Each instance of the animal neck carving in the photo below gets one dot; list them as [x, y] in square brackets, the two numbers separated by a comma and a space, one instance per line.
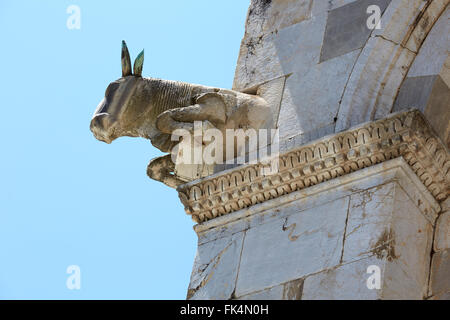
[153, 108]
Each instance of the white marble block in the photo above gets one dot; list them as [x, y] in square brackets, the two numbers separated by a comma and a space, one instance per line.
[324, 237]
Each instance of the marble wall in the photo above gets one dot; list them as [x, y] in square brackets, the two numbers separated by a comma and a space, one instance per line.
[318, 243]
[326, 71]
[340, 73]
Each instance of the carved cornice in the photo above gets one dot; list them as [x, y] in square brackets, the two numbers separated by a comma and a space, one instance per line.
[405, 134]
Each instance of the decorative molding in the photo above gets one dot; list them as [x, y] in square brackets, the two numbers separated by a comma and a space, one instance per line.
[405, 134]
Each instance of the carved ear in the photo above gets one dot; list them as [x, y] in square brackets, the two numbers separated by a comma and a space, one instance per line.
[138, 64]
[126, 62]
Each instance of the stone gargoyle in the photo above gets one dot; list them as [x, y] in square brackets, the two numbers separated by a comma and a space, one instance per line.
[153, 108]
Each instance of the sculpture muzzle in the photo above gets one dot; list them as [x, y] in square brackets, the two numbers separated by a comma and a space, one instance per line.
[101, 124]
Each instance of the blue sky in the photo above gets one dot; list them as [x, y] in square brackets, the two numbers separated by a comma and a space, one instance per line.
[68, 199]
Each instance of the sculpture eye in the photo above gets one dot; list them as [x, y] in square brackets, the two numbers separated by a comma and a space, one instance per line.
[111, 89]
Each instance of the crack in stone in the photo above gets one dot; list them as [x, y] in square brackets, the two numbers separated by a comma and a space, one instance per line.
[233, 294]
[428, 292]
[345, 230]
[395, 43]
[208, 277]
[291, 229]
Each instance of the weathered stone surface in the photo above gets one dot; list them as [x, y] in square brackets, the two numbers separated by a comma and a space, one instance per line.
[442, 296]
[380, 70]
[407, 276]
[442, 233]
[215, 268]
[347, 29]
[385, 223]
[389, 88]
[272, 92]
[302, 243]
[445, 72]
[368, 224]
[291, 290]
[431, 95]
[274, 293]
[268, 16]
[424, 22]
[445, 204]
[323, 6]
[305, 137]
[415, 93]
[402, 11]
[382, 65]
[401, 135]
[314, 196]
[427, 79]
[427, 84]
[303, 97]
[440, 273]
[392, 203]
[435, 49]
[347, 282]
[437, 111]
[373, 83]
[385, 229]
[295, 48]
[315, 210]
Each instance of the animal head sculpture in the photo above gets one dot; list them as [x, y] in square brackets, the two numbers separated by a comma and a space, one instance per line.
[117, 111]
[154, 109]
